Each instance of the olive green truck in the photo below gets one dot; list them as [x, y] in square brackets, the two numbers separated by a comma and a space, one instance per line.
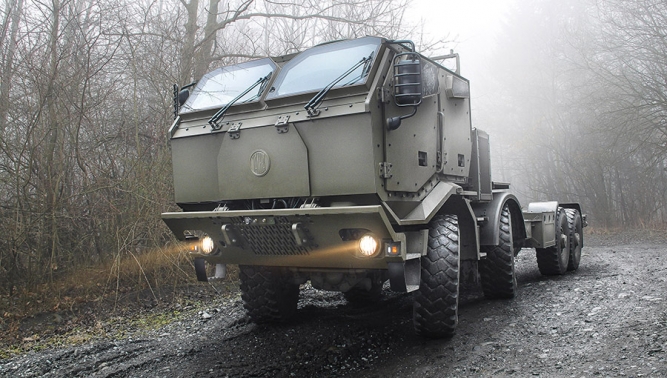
[348, 165]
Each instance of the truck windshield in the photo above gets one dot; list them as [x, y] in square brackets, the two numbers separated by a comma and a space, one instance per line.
[315, 68]
[217, 88]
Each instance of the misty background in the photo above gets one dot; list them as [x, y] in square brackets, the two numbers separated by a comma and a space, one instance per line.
[572, 92]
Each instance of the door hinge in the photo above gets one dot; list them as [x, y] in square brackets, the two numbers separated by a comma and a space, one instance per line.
[385, 170]
[384, 95]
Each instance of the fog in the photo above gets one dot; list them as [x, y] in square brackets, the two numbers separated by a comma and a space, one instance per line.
[573, 94]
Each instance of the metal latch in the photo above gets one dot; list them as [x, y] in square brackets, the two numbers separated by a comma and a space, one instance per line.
[234, 130]
[282, 125]
[384, 94]
[385, 170]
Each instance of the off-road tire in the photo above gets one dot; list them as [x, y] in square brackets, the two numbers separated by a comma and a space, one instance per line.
[268, 296]
[576, 238]
[435, 309]
[496, 271]
[554, 260]
[359, 297]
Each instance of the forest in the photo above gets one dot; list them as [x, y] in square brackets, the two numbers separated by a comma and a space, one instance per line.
[574, 96]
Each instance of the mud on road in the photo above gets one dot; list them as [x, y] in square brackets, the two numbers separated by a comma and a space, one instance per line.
[607, 319]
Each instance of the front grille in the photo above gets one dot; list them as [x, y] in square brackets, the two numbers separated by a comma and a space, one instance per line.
[275, 239]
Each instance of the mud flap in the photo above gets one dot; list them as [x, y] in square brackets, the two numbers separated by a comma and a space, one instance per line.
[405, 276]
[200, 269]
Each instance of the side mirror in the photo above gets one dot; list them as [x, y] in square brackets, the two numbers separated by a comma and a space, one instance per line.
[183, 96]
[407, 79]
[407, 85]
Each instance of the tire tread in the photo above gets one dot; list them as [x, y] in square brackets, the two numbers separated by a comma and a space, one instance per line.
[435, 311]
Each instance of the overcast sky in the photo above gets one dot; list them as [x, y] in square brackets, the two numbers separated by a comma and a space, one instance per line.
[472, 23]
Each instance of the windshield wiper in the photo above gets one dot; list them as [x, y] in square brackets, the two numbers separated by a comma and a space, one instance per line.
[217, 117]
[364, 72]
[319, 97]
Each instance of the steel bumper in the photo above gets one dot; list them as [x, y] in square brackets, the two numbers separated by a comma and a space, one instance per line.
[303, 237]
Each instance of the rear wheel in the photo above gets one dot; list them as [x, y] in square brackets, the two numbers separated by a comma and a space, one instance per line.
[576, 237]
[554, 260]
[268, 296]
[497, 270]
[435, 311]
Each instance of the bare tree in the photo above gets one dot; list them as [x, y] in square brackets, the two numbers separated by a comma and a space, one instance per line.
[85, 102]
[219, 30]
[582, 106]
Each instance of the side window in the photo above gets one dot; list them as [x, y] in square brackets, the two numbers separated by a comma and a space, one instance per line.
[430, 84]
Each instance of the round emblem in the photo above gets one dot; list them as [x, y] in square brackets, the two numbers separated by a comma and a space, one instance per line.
[260, 163]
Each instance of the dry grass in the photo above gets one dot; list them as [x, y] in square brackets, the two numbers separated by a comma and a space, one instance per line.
[137, 285]
[145, 273]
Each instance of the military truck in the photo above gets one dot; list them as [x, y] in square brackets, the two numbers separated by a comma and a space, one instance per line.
[348, 165]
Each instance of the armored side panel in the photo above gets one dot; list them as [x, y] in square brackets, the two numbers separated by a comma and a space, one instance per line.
[435, 140]
[341, 155]
[455, 119]
[412, 149]
[257, 164]
[480, 166]
[195, 165]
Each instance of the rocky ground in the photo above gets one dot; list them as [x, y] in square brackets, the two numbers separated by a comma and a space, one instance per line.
[607, 319]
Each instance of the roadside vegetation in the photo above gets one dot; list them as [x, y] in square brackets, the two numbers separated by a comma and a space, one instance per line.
[574, 100]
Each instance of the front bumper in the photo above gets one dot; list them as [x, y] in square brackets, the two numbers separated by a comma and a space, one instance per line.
[303, 237]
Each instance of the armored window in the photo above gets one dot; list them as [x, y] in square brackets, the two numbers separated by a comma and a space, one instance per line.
[316, 67]
[219, 87]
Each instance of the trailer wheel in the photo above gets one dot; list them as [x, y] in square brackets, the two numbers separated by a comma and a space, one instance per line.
[435, 309]
[359, 297]
[497, 270]
[268, 296]
[553, 260]
[576, 237]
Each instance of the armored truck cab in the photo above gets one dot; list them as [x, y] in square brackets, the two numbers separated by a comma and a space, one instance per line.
[351, 164]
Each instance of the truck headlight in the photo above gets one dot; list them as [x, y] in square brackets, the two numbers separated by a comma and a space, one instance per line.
[368, 246]
[207, 245]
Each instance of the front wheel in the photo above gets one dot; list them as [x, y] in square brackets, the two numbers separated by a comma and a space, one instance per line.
[435, 310]
[268, 296]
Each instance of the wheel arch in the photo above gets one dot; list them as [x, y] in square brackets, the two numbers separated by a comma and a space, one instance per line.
[490, 212]
[467, 223]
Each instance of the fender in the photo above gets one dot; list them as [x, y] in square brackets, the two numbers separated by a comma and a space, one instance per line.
[468, 230]
[543, 207]
[489, 213]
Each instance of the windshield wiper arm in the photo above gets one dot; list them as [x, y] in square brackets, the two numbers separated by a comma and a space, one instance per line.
[364, 72]
[214, 121]
[319, 97]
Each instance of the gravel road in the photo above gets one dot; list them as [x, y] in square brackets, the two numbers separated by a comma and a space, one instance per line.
[607, 319]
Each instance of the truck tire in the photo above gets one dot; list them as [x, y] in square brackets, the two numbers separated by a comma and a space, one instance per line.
[497, 270]
[554, 260]
[576, 237]
[268, 296]
[435, 309]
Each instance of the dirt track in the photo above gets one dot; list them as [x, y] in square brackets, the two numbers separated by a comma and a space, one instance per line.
[607, 319]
